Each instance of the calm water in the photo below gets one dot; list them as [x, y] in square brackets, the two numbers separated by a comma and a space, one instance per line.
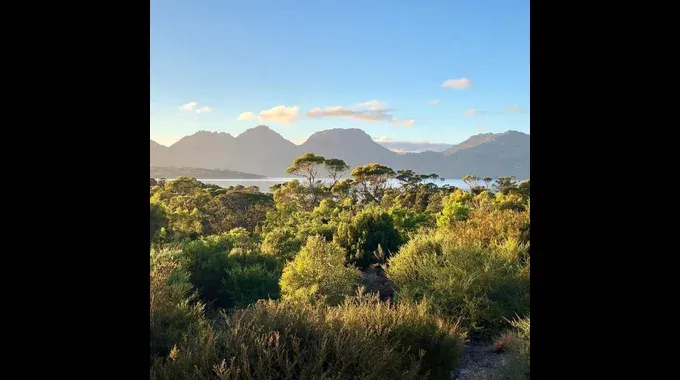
[264, 183]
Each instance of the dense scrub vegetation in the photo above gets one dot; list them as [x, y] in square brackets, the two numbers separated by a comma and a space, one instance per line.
[336, 276]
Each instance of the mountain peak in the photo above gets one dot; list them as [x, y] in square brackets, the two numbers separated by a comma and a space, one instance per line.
[353, 134]
[263, 137]
[262, 150]
[513, 133]
[484, 138]
[203, 133]
[204, 137]
[259, 132]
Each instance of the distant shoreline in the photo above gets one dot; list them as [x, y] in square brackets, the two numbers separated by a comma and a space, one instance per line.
[171, 172]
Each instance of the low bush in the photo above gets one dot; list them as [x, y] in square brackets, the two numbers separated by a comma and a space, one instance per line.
[516, 344]
[281, 243]
[488, 227]
[318, 274]
[174, 313]
[481, 285]
[229, 271]
[364, 233]
[362, 338]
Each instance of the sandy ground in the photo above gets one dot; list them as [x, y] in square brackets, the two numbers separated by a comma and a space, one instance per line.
[478, 362]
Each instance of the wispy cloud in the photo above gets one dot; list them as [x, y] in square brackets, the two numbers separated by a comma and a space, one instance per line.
[188, 107]
[280, 114]
[480, 128]
[373, 105]
[473, 112]
[191, 106]
[246, 116]
[516, 109]
[458, 84]
[372, 110]
[434, 101]
[410, 146]
[403, 123]
[511, 109]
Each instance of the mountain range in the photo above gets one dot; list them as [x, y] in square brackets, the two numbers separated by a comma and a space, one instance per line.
[262, 151]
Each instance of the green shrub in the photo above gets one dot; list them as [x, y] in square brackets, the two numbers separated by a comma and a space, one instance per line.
[281, 243]
[487, 227]
[360, 339]
[318, 273]
[480, 285]
[516, 345]
[174, 312]
[407, 221]
[510, 202]
[157, 220]
[361, 236]
[228, 271]
[244, 284]
[455, 208]
[524, 189]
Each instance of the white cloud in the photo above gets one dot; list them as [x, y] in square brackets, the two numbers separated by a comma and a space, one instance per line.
[280, 114]
[458, 84]
[434, 101]
[188, 107]
[403, 123]
[246, 116]
[383, 139]
[473, 112]
[511, 109]
[204, 110]
[372, 110]
[373, 105]
[300, 140]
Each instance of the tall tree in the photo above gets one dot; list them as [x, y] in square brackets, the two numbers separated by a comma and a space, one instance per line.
[524, 188]
[408, 177]
[372, 180]
[505, 184]
[471, 180]
[487, 180]
[307, 166]
[336, 168]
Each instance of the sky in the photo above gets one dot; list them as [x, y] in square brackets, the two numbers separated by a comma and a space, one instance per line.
[411, 74]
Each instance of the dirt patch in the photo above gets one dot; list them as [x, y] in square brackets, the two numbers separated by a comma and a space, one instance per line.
[375, 280]
[478, 362]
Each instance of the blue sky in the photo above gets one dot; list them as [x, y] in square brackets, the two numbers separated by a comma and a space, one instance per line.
[376, 65]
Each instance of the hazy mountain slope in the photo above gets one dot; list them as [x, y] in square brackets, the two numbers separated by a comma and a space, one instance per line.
[203, 149]
[261, 150]
[158, 154]
[354, 146]
[507, 154]
[471, 142]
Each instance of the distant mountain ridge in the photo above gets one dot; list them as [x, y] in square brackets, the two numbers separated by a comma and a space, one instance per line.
[263, 151]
